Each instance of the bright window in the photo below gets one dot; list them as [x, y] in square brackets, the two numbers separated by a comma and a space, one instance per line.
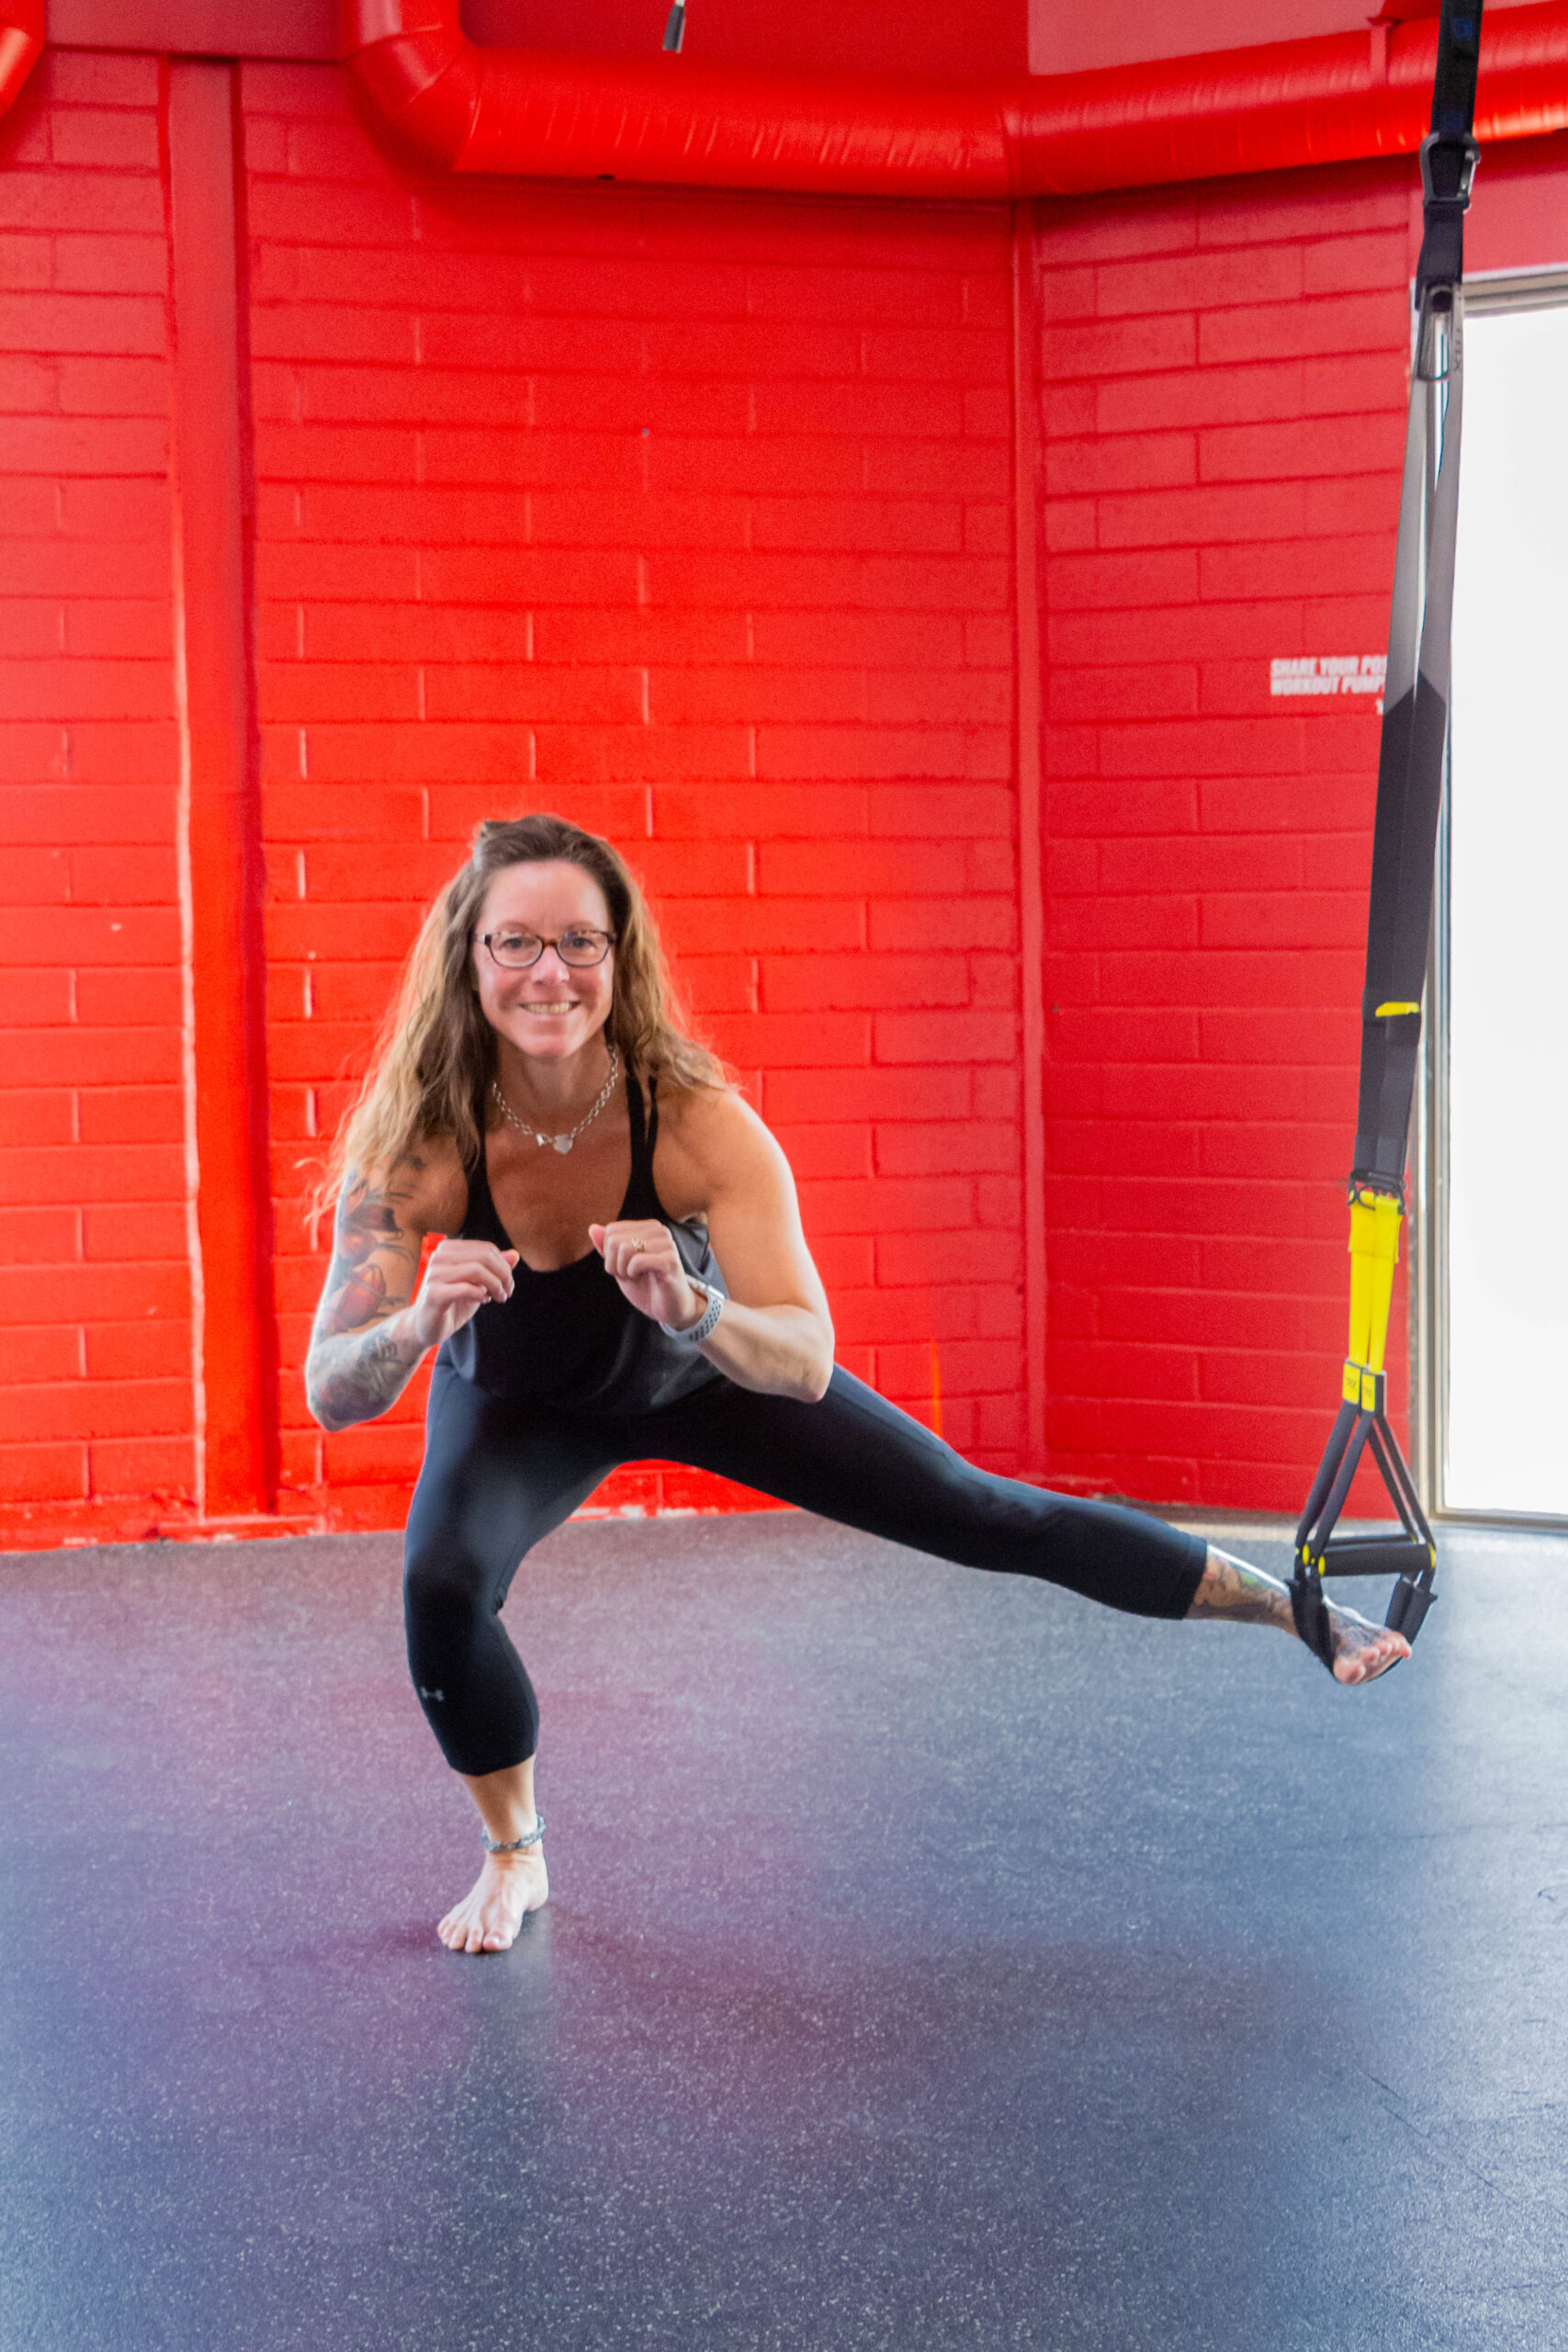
[1507, 1142]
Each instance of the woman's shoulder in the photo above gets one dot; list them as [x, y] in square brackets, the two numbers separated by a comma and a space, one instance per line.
[427, 1185]
[709, 1138]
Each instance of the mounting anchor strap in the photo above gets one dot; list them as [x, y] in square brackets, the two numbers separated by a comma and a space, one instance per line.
[1411, 761]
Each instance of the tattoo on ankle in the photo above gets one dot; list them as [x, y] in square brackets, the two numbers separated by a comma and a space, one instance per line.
[1247, 1596]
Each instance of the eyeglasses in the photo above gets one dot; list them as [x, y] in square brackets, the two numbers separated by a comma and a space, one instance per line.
[579, 947]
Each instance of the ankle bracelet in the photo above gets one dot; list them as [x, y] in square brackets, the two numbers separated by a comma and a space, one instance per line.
[514, 1845]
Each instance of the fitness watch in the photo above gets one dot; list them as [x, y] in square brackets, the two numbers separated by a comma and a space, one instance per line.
[698, 1331]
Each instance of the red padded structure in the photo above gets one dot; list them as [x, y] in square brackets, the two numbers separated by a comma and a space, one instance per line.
[663, 121]
[21, 40]
[898, 583]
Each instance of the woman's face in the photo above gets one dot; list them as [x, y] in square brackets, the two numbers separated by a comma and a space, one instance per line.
[551, 1009]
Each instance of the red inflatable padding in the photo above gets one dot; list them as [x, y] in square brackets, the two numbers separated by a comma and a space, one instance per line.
[671, 121]
[21, 38]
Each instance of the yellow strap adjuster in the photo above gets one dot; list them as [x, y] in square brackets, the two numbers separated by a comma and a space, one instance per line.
[1375, 1220]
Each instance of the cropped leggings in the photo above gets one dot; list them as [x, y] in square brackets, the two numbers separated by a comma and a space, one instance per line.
[498, 1474]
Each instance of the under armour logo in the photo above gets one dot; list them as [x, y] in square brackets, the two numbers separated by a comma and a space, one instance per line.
[430, 1694]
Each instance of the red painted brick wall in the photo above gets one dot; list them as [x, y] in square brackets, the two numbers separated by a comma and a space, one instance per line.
[689, 518]
[1223, 404]
[94, 1293]
[693, 517]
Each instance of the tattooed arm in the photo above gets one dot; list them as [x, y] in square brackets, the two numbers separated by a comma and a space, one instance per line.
[371, 1332]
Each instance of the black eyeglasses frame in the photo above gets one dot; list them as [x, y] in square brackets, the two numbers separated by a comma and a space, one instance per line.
[607, 936]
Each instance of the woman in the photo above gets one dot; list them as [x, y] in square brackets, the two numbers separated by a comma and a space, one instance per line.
[581, 1319]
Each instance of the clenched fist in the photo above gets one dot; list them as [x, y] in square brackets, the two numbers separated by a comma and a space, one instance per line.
[642, 1256]
[461, 1277]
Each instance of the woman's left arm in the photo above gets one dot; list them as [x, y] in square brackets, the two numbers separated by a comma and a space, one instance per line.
[776, 1334]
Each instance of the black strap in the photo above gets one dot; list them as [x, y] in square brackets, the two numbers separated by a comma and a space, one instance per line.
[1416, 690]
[1310, 1611]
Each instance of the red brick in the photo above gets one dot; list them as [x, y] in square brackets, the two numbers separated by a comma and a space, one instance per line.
[1142, 690]
[1126, 461]
[124, 876]
[119, 996]
[762, 926]
[44, 1115]
[946, 1148]
[969, 1367]
[881, 869]
[1120, 347]
[44, 1474]
[88, 1058]
[36, 879]
[147, 1349]
[134, 1233]
[806, 811]
[844, 1261]
[114, 386]
[40, 1352]
[794, 983]
[821, 1151]
[953, 1036]
[88, 1409]
[923, 1205]
[150, 1466]
[834, 1040]
[1203, 281]
[1300, 448]
[132, 1115]
[82, 1172]
[1332, 324]
[1105, 582]
[377, 1451]
[1155, 220]
[793, 1094]
[942, 926]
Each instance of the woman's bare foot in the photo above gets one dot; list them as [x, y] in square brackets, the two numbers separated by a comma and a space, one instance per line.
[506, 1890]
[1362, 1650]
[1249, 1597]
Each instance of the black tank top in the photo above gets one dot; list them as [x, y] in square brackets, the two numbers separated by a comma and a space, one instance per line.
[571, 1336]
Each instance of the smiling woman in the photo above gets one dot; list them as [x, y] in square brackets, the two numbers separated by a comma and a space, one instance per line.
[643, 1290]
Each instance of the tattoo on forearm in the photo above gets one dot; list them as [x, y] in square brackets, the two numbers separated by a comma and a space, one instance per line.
[355, 1375]
[356, 1365]
[1231, 1589]
[367, 1233]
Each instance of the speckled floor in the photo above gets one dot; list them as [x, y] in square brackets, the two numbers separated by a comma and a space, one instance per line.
[934, 1961]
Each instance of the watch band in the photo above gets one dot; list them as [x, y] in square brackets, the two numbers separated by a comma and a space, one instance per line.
[698, 1331]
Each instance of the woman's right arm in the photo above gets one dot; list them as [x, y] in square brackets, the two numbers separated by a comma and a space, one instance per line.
[371, 1332]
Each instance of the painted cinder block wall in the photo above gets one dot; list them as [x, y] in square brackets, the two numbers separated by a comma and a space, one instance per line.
[700, 519]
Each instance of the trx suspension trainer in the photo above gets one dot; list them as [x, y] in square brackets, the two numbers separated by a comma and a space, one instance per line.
[1411, 763]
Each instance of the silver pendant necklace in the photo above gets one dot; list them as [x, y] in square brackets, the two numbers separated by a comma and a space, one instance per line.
[561, 1142]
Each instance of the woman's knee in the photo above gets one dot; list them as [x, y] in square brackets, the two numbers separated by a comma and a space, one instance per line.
[444, 1583]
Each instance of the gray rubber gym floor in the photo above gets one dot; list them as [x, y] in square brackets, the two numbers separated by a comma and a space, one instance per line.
[934, 1960]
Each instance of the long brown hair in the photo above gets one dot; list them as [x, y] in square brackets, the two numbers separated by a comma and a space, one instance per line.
[436, 1053]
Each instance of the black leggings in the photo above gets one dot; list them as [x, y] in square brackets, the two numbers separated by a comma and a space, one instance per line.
[498, 1474]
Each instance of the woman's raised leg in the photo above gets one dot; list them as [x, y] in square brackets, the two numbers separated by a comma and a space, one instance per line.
[857, 1459]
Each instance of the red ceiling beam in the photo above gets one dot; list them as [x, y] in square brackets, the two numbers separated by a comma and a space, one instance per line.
[671, 121]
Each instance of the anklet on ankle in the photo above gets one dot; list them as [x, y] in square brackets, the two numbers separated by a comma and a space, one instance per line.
[515, 1844]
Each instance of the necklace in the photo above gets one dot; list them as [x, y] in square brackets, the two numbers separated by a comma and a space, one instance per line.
[561, 1142]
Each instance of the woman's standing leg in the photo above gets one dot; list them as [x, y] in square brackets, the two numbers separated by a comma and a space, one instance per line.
[497, 1477]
